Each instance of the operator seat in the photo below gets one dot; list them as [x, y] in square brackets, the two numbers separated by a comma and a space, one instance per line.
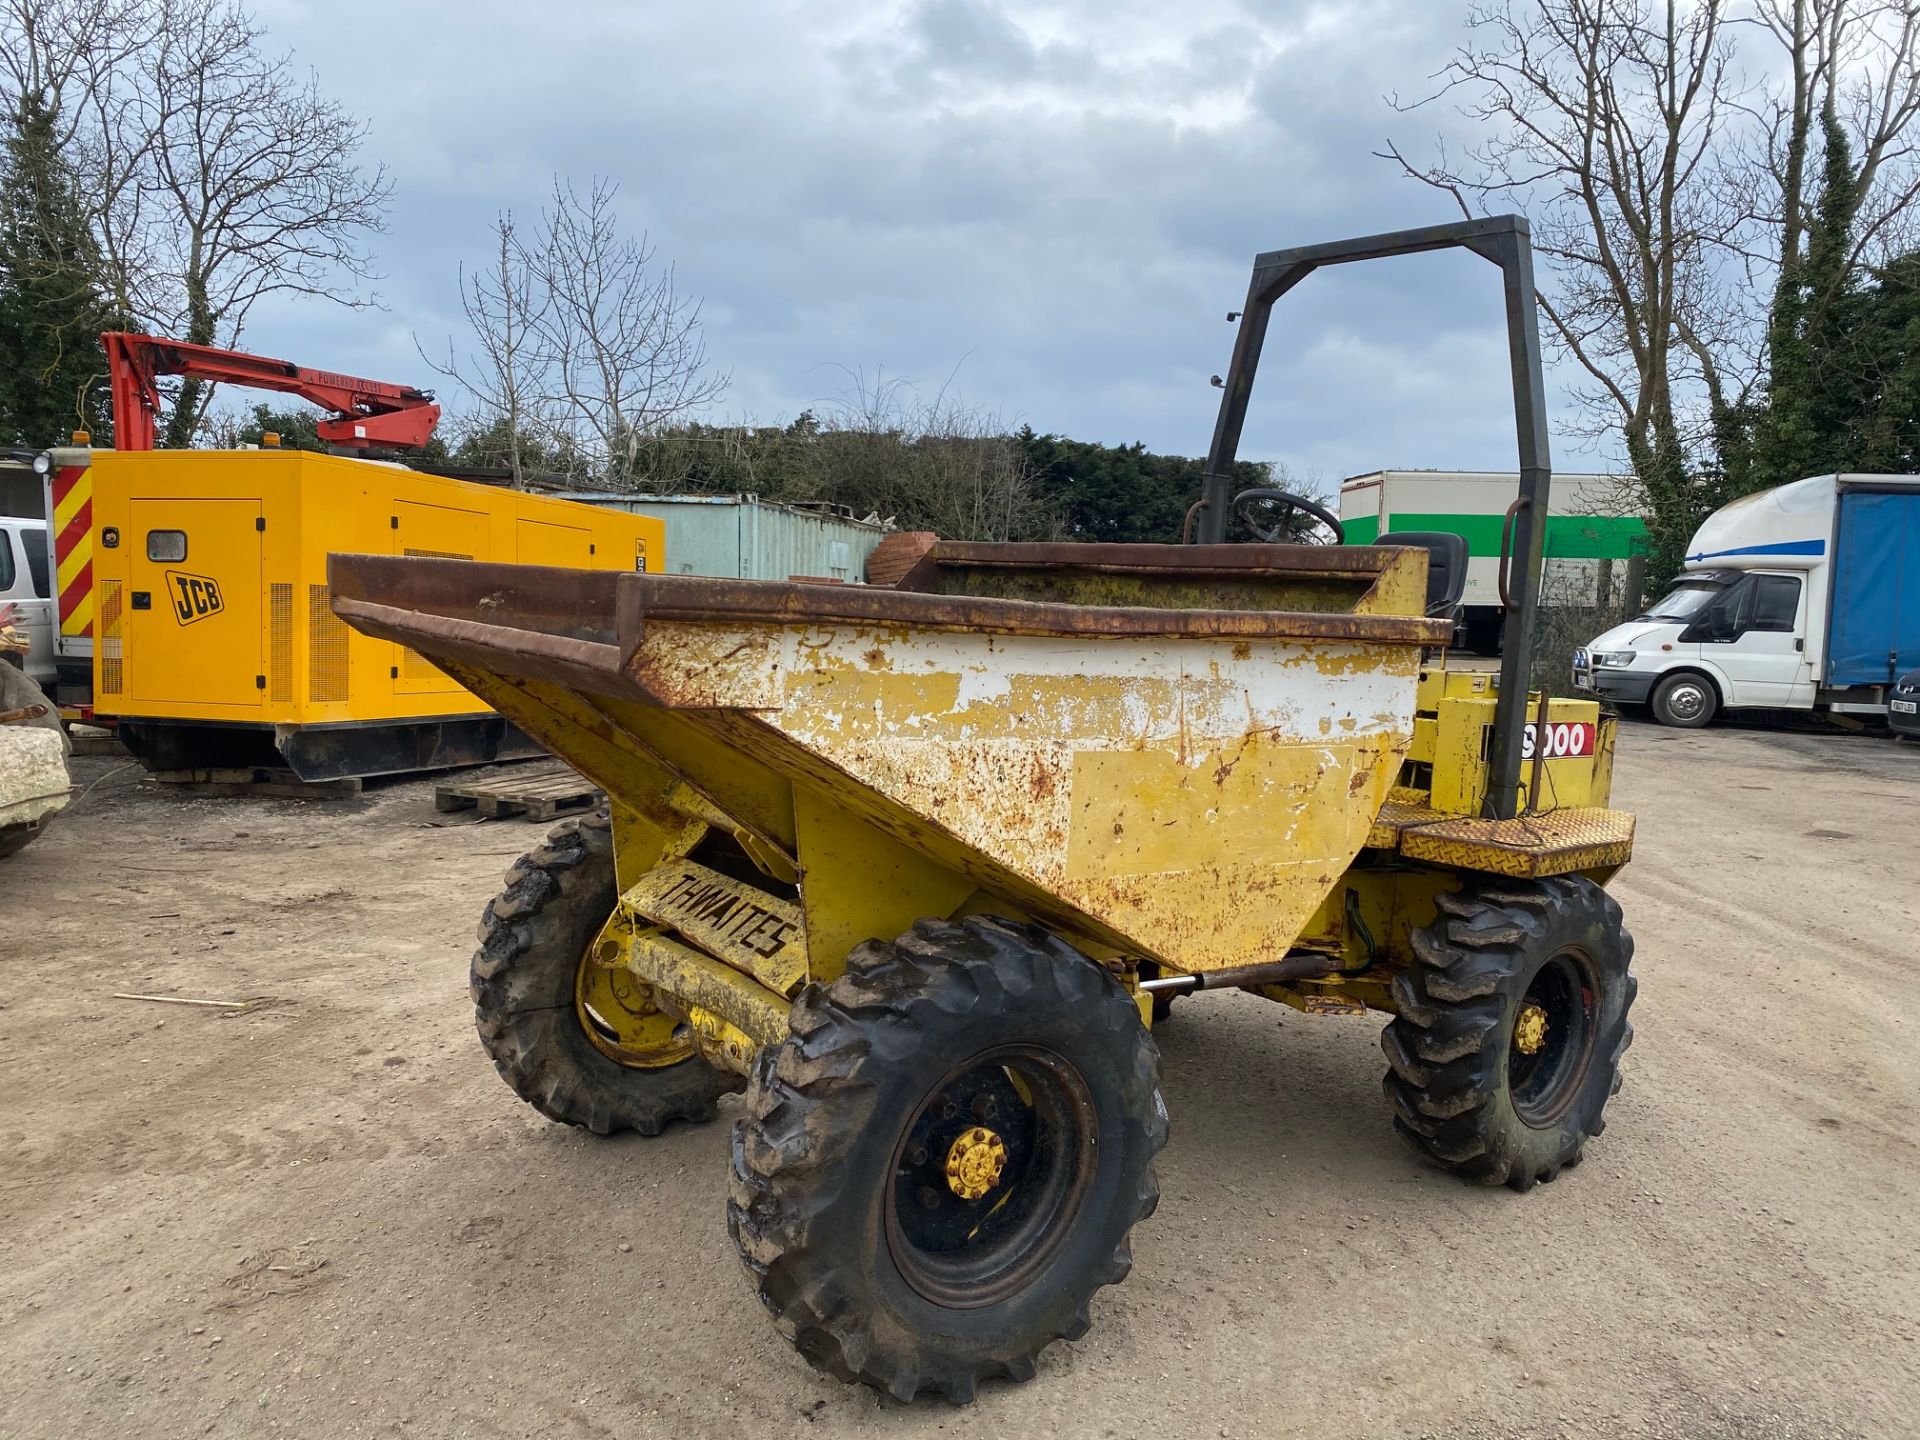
[1446, 567]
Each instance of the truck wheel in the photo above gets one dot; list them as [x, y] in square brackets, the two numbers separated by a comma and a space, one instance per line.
[942, 1163]
[575, 1040]
[1509, 1029]
[1685, 700]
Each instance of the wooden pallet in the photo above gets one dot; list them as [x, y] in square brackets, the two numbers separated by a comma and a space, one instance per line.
[538, 794]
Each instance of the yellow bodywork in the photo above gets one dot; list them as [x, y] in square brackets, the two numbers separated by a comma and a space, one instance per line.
[240, 629]
[796, 770]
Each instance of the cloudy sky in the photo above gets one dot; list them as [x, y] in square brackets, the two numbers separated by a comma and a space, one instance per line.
[1053, 203]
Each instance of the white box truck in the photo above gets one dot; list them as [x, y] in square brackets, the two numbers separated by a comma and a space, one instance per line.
[1586, 548]
[1803, 597]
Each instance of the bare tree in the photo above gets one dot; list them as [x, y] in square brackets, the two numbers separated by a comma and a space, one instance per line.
[54, 55]
[216, 173]
[509, 371]
[1857, 61]
[626, 346]
[883, 448]
[583, 346]
[1602, 119]
[49, 50]
[253, 177]
[1673, 202]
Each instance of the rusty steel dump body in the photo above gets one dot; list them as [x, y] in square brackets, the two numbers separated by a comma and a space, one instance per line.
[1171, 751]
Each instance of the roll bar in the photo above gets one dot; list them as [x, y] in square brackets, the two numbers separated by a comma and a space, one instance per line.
[1504, 240]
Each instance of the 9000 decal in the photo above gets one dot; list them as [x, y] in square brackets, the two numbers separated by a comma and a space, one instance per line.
[1566, 740]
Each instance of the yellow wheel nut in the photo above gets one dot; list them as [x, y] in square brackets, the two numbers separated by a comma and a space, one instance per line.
[974, 1163]
[1530, 1030]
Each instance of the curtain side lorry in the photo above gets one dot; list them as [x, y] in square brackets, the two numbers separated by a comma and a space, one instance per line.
[1802, 597]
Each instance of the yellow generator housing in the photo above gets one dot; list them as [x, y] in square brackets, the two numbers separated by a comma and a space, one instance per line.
[218, 647]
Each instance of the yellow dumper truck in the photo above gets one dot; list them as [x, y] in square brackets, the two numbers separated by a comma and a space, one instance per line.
[918, 867]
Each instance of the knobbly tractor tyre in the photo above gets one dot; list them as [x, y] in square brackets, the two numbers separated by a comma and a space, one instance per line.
[1509, 1028]
[942, 1163]
[578, 1041]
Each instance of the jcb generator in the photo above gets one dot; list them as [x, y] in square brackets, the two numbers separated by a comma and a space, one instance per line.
[218, 648]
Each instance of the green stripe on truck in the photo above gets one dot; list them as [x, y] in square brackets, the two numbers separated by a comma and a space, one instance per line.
[1569, 537]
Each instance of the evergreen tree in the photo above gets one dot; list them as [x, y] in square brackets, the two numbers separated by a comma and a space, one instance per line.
[297, 429]
[1813, 374]
[1868, 416]
[1843, 390]
[1122, 492]
[52, 375]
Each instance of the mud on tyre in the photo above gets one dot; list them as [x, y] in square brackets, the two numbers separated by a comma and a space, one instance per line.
[535, 1011]
[1509, 1029]
[941, 1165]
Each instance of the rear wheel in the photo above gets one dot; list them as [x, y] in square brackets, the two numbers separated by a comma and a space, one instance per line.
[1509, 1029]
[580, 1042]
[942, 1163]
[1688, 701]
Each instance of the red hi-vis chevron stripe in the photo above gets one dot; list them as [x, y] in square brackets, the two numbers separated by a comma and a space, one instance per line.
[73, 547]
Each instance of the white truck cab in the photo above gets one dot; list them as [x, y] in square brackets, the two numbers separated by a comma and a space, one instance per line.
[26, 583]
[1803, 597]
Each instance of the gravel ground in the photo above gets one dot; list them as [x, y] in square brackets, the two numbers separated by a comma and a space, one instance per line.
[326, 1216]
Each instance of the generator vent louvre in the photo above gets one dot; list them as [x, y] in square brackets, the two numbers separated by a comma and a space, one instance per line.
[413, 665]
[326, 647]
[280, 644]
[112, 660]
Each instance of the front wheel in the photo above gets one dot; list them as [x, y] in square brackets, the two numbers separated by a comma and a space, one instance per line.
[1510, 1025]
[1687, 701]
[942, 1163]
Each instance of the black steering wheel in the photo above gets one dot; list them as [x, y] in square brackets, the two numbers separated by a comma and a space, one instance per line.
[1269, 514]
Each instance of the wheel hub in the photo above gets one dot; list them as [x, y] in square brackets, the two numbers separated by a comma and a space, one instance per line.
[1553, 1039]
[974, 1163]
[1530, 1030]
[617, 1012]
[987, 1178]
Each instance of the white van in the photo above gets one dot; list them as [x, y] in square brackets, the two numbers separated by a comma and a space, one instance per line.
[26, 583]
[1802, 597]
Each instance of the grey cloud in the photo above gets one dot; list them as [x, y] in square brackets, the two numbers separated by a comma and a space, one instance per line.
[1061, 200]
[969, 37]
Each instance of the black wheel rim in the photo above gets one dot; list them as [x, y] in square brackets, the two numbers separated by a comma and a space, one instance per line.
[965, 1250]
[1551, 1044]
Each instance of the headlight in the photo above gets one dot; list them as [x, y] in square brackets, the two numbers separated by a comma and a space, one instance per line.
[1618, 658]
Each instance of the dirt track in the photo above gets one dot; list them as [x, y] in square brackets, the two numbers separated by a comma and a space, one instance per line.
[326, 1216]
